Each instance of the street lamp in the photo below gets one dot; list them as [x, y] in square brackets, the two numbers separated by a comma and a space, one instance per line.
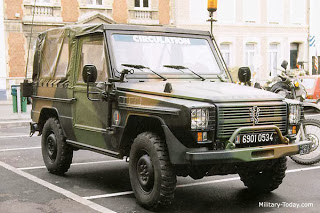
[212, 7]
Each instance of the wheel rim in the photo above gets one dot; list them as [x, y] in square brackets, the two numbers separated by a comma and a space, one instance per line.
[145, 173]
[313, 134]
[51, 146]
[315, 141]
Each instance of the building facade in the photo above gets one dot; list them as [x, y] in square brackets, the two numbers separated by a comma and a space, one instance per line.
[255, 33]
[259, 34]
[18, 16]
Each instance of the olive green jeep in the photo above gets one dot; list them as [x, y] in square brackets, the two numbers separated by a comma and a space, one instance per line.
[163, 99]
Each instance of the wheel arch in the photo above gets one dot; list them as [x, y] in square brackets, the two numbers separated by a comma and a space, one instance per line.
[45, 114]
[136, 124]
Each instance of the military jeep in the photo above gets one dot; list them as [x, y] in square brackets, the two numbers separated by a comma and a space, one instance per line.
[163, 99]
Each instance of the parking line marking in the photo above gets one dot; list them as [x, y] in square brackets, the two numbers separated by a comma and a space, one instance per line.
[109, 195]
[208, 182]
[74, 164]
[303, 169]
[14, 136]
[17, 149]
[57, 189]
[192, 184]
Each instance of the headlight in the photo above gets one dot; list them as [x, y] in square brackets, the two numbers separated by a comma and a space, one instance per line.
[294, 113]
[199, 118]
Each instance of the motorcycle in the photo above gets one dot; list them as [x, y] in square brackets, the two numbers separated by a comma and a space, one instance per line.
[290, 87]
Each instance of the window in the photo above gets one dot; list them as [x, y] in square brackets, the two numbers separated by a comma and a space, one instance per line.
[297, 11]
[250, 56]
[93, 53]
[251, 11]
[141, 3]
[62, 65]
[226, 11]
[42, 2]
[273, 59]
[275, 11]
[50, 53]
[193, 53]
[294, 51]
[94, 2]
[226, 53]
[55, 56]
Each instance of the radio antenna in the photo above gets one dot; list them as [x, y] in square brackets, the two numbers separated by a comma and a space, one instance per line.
[30, 39]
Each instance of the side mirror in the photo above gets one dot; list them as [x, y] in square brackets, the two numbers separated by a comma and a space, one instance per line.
[26, 89]
[284, 65]
[89, 74]
[244, 74]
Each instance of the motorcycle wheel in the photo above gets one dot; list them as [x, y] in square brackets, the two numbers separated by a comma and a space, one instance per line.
[312, 132]
[282, 89]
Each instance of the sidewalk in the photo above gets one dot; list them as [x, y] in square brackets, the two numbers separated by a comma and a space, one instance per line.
[10, 119]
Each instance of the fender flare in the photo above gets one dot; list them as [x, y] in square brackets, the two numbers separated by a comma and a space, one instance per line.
[43, 117]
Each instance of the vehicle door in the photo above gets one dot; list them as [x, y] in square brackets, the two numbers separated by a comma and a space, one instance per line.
[90, 117]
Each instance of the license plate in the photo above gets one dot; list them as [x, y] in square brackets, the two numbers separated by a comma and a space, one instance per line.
[254, 138]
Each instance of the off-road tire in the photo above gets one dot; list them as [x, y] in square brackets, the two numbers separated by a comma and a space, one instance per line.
[312, 160]
[265, 180]
[152, 176]
[281, 86]
[57, 154]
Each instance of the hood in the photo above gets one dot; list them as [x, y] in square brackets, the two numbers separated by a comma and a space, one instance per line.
[201, 91]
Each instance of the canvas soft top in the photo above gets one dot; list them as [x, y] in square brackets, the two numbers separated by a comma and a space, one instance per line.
[54, 42]
[79, 30]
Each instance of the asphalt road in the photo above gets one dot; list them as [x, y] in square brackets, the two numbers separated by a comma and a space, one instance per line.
[96, 183]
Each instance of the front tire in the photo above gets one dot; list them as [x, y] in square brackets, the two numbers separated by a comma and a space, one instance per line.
[312, 132]
[152, 176]
[282, 89]
[56, 153]
[265, 179]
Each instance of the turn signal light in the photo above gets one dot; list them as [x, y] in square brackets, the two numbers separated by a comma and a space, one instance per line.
[294, 130]
[202, 136]
[309, 96]
[212, 5]
[199, 136]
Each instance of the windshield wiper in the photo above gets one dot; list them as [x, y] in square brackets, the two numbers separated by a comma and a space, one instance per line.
[141, 67]
[180, 68]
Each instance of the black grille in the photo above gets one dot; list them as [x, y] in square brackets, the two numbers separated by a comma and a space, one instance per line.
[212, 119]
[232, 116]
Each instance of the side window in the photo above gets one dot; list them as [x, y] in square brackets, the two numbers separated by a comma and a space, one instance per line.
[92, 52]
[50, 53]
[62, 65]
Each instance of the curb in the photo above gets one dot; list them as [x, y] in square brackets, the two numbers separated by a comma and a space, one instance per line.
[14, 123]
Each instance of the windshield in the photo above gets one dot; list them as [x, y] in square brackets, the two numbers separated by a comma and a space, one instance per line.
[308, 83]
[164, 55]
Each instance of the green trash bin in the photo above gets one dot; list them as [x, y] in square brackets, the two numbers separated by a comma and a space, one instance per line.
[23, 100]
[23, 104]
[14, 98]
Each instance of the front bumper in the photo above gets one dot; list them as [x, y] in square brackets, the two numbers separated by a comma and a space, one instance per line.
[248, 154]
[179, 154]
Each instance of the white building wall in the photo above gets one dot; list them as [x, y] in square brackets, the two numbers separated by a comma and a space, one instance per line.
[314, 29]
[259, 27]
